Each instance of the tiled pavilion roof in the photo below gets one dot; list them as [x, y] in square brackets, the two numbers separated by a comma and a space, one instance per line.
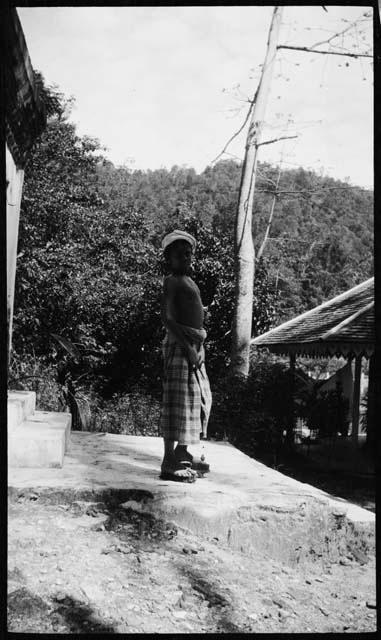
[25, 116]
[342, 326]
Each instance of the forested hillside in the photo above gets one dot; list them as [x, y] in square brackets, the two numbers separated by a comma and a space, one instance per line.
[89, 264]
[321, 240]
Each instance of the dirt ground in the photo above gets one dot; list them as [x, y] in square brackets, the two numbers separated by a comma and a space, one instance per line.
[87, 567]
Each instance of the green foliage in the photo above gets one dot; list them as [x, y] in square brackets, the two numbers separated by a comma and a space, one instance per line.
[36, 374]
[134, 413]
[321, 240]
[253, 413]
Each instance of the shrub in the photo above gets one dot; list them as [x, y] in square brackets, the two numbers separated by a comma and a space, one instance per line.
[134, 413]
[252, 413]
[35, 374]
[327, 413]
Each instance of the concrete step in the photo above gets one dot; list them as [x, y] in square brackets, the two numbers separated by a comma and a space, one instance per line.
[53, 420]
[21, 405]
[40, 441]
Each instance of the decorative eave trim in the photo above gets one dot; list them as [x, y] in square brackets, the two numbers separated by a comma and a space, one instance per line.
[321, 349]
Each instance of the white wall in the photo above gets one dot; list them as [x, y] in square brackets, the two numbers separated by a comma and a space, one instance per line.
[15, 178]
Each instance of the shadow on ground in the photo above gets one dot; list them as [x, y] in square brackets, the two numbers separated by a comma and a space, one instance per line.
[28, 612]
[219, 601]
[355, 489]
[359, 489]
[79, 617]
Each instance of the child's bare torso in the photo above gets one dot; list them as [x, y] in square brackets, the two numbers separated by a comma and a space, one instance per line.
[186, 305]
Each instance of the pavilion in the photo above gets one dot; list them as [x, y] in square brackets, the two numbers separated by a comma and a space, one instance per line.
[343, 326]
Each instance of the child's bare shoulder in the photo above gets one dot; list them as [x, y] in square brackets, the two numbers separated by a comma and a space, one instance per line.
[170, 283]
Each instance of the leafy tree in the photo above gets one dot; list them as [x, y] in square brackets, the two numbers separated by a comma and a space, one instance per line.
[59, 197]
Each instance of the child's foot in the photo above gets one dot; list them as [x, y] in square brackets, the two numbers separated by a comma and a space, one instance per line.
[198, 464]
[177, 471]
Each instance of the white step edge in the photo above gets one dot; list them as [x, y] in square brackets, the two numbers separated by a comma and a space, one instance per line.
[53, 420]
[36, 448]
[20, 405]
[15, 414]
[40, 441]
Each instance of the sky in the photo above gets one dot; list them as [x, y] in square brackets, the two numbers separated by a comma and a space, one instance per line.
[164, 86]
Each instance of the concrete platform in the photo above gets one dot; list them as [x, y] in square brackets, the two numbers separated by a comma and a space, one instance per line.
[241, 502]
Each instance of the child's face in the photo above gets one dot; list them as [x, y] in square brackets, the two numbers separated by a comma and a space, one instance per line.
[180, 257]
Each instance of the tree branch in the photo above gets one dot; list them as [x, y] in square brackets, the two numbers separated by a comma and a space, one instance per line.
[269, 223]
[272, 209]
[303, 191]
[233, 156]
[340, 33]
[275, 140]
[252, 102]
[233, 136]
[330, 53]
[263, 177]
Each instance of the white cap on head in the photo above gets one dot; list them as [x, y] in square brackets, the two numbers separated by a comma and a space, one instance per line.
[177, 234]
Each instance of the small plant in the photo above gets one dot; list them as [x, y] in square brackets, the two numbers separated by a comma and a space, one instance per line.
[35, 374]
[72, 395]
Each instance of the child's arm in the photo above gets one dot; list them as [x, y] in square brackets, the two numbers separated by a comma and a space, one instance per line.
[167, 316]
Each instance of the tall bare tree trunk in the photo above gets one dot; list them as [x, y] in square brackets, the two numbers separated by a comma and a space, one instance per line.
[243, 243]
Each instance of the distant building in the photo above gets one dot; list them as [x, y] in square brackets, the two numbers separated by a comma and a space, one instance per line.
[343, 327]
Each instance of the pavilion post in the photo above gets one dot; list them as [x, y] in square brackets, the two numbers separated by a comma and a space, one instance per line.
[291, 421]
[370, 414]
[356, 400]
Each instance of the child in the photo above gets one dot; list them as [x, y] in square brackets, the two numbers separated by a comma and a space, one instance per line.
[186, 392]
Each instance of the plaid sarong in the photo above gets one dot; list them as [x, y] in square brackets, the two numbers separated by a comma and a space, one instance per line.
[187, 398]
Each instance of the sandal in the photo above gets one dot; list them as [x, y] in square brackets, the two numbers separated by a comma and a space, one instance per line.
[170, 473]
[196, 463]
